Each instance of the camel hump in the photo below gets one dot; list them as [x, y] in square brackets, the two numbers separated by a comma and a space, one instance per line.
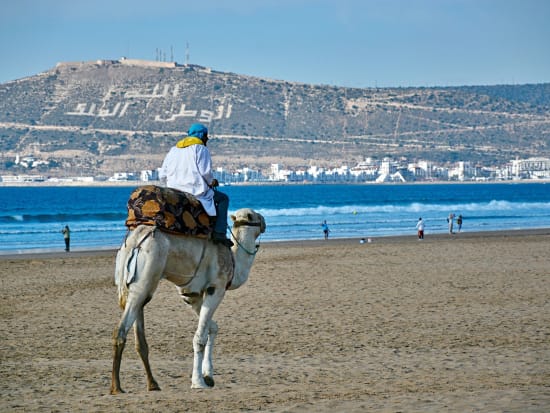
[169, 210]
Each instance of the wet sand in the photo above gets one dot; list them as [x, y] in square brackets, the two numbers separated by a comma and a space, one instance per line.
[452, 323]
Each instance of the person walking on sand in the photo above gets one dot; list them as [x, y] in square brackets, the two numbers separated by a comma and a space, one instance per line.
[324, 225]
[67, 236]
[420, 228]
[459, 223]
[450, 221]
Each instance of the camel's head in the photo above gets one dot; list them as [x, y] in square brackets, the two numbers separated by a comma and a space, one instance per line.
[247, 225]
[246, 217]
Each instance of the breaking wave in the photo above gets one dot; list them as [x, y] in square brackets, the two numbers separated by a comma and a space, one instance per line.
[472, 207]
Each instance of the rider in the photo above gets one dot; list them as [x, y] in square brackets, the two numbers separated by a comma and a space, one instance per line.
[188, 167]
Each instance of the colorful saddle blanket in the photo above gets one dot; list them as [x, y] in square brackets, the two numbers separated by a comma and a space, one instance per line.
[168, 209]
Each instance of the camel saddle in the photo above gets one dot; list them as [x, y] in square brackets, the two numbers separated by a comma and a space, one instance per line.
[169, 210]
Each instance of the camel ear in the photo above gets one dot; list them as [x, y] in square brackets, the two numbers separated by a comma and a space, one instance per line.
[233, 218]
[262, 226]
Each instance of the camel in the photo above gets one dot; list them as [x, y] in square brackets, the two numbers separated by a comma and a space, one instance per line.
[201, 271]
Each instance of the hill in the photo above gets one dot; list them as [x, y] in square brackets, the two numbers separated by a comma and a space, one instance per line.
[106, 116]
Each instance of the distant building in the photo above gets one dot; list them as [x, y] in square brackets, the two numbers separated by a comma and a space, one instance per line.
[531, 168]
[463, 172]
[149, 175]
[21, 178]
[123, 176]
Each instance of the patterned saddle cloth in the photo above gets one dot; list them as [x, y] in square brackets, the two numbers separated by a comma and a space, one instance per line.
[169, 210]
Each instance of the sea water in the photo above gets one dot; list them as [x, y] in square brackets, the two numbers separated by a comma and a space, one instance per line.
[31, 218]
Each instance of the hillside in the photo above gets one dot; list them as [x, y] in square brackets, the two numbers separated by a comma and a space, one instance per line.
[106, 116]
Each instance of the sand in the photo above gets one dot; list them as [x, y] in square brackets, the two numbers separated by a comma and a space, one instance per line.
[452, 323]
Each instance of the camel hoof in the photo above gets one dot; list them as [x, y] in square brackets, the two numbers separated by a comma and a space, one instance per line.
[202, 385]
[209, 381]
[153, 387]
[116, 391]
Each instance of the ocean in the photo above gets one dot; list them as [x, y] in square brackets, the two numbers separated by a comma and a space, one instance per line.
[31, 218]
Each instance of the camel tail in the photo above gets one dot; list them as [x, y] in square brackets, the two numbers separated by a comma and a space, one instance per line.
[126, 264]
[125, 272]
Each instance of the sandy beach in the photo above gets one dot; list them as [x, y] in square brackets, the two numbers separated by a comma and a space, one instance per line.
[452, 323]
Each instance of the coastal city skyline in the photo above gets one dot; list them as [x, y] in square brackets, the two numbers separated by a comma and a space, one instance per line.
[386, 170]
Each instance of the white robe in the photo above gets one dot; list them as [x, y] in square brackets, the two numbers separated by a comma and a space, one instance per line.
[190, 170]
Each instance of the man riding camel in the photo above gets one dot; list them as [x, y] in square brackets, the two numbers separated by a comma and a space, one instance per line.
[188, 167]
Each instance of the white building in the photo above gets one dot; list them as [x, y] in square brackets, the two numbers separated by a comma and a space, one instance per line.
[21, 178]
[122, 177]
[421, 169]
[149, 175]
[531, 168]
[463, 171]
[278, 174]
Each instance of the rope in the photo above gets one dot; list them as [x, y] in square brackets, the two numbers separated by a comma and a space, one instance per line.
[253, 253]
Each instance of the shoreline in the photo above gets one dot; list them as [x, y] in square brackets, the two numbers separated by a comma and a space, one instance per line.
[339, 242]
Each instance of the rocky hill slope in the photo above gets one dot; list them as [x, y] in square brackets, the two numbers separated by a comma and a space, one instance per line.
[105, 116]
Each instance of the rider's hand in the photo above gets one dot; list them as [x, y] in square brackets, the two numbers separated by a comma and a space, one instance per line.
[214, 183]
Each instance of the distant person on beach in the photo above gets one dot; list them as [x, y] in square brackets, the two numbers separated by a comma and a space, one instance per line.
[459, 223]
[67, 236]
[420, 228]
[324, 225]
[450, 221]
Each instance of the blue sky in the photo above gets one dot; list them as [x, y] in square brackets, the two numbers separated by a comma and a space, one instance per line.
[357, 43]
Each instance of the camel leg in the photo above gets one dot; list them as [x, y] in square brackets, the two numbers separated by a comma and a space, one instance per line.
[149, 270]
[207, 366]
[118, 347]
[143, 350]
[119, 341]
[212, 299]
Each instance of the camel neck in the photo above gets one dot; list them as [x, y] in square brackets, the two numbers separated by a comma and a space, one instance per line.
[243, 263]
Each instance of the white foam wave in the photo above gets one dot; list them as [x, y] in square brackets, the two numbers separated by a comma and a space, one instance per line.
[415, 207]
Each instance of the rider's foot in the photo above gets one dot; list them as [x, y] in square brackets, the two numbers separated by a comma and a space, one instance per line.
[220, 238]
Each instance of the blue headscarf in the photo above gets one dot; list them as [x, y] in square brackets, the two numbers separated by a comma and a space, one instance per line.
[198, 130]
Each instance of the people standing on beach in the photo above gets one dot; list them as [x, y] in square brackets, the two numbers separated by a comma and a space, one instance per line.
[459, 223]
[188, 167]
[324, 225]
[420, 228]
[67, 237]
[450, 221]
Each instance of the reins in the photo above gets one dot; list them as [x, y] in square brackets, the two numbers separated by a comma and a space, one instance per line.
[238, 224]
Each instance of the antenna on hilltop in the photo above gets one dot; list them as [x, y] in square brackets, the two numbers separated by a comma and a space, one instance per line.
[171, 54]
[187, 53]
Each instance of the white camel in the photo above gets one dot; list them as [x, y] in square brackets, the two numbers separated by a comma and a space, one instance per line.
[201, 272]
